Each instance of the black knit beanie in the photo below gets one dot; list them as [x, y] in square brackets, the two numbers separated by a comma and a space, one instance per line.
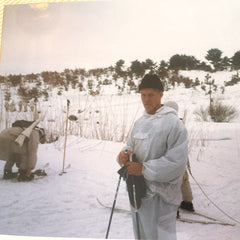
[151, 81]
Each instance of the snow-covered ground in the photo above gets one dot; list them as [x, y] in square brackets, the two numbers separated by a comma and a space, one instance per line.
[66, 206]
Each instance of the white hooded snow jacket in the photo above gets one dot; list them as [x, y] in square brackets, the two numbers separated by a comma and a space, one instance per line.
[160, 143]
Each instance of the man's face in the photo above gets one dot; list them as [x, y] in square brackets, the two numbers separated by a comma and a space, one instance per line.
[151, 99]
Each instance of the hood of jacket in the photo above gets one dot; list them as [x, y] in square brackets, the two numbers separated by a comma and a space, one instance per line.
[163, 110]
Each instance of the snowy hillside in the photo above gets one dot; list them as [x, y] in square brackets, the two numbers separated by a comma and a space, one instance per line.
[66, 206]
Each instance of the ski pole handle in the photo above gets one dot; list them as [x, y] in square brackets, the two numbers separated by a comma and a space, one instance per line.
[126, 152]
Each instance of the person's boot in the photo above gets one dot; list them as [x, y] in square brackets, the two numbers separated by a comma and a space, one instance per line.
[8, 174]
[187, 206]
[23, 177]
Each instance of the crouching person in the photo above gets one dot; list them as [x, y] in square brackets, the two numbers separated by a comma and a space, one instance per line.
[25, 156]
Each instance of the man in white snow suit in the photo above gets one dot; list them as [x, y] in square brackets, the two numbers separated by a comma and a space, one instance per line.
[25, 156]
[159, 142]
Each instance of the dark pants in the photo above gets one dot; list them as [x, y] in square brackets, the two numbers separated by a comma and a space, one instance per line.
[14, 158]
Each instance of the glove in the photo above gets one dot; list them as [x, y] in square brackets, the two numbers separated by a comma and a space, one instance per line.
[134, 168]
[123, 172]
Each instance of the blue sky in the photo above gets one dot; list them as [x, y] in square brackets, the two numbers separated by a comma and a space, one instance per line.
[93, 34]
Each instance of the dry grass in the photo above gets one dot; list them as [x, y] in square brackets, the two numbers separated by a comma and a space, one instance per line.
[100, 117]
[222, 113]
[218, 112]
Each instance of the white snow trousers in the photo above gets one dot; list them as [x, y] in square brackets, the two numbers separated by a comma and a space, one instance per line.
[157, 219]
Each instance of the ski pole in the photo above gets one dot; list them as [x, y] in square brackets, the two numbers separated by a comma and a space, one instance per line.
[135, 203]
[113, 207]
[65, 140]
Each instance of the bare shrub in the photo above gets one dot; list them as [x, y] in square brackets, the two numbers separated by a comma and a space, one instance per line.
[235, 80]
[222, 113]
[218, 112]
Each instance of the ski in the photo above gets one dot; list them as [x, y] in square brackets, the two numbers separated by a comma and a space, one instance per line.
[189, 220]
[119, 210]
[204, 215]
[214, 220]
[198, 214]
[211, 220]
[36, 177]
[38, 174]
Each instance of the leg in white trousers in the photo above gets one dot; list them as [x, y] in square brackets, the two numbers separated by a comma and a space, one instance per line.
[157, 219]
